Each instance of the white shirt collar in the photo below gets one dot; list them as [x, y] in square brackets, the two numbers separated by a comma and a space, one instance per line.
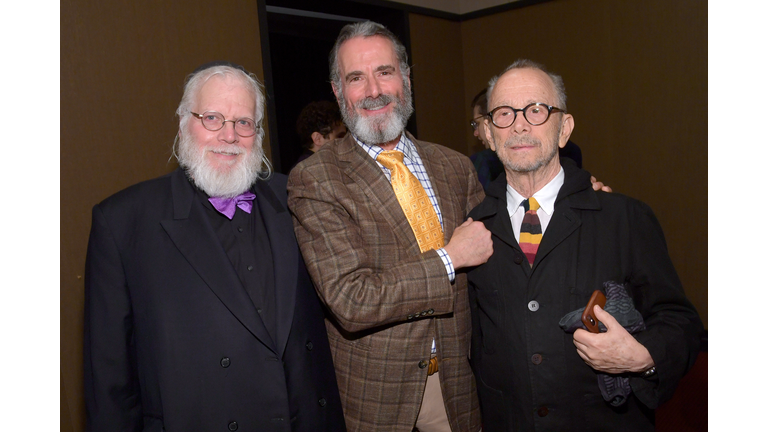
[545, 196]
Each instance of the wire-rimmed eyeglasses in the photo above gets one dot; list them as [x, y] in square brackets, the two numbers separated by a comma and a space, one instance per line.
[214, 121]
[475, 122]
[535, 113]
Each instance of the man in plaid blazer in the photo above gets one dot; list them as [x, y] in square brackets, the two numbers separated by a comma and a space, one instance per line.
[399, 319]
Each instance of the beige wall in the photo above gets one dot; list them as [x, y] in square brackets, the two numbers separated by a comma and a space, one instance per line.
[438, 79]
[122, 70]
[627, 67]
[636, 78]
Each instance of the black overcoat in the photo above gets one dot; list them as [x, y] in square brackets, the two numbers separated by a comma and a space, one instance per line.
[529, 376]
[172, 339]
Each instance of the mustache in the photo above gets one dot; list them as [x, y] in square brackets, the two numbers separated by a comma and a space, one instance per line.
[515, 141]
[226, 149]
[375, 103]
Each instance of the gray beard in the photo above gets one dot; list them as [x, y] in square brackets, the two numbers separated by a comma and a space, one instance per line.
[531, 166]
[228, 183]
[379, 129]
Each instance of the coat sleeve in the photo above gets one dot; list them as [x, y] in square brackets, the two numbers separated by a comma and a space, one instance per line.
[673, 327]
[112, 395]
[365, 285]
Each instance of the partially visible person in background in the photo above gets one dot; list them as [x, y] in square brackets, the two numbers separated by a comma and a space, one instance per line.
[487, 164]
[318, 123]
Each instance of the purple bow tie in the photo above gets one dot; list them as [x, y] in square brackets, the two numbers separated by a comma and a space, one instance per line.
[227, 206]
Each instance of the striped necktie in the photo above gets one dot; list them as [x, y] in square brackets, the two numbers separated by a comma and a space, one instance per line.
[530, 230]
[414, 201]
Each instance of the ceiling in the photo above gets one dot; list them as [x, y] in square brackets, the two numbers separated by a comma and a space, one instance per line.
[458, 7]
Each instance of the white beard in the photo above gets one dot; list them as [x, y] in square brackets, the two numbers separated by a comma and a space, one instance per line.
[225, 182]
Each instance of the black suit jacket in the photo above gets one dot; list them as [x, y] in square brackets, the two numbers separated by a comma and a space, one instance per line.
[529, 376]
[172, 339]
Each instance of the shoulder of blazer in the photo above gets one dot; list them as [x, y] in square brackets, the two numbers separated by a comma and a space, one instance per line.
[430, 151]
[146, 193]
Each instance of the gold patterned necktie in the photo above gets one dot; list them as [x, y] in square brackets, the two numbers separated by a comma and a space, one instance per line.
[414, 201]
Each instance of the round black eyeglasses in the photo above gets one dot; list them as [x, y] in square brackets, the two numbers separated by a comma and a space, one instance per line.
[535, 113]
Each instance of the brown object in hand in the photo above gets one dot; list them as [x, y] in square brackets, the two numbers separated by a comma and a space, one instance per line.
[588, 316]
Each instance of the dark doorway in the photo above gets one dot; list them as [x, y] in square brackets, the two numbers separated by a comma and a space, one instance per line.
[300, 35]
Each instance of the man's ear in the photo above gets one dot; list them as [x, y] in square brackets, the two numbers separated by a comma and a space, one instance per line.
[565, 130]
[335, 90]
[318, 139]
[488, 134]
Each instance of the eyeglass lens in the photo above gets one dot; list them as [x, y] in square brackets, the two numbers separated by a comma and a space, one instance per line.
[536, 114]
[214, 121]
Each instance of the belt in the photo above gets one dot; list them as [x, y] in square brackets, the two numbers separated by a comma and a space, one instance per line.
[432, 366]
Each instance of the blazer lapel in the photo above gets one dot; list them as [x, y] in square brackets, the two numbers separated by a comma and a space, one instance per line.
[285, 256]
[361, 168]
[193, 236]
[438, 172]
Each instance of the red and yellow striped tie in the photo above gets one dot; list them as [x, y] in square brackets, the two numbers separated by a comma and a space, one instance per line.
[414, 201]
[530, 230]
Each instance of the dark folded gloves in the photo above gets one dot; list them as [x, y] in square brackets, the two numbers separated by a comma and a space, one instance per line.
[615, 388]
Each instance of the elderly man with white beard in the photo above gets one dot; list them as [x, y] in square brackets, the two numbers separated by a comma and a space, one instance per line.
[199, 312]
[385, 265]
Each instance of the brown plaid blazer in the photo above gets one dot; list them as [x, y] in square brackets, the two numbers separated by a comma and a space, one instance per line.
[386, 299]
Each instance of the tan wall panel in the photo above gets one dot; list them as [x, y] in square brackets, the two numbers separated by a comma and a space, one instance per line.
[438, 81]
[122, 71]
[636, 78]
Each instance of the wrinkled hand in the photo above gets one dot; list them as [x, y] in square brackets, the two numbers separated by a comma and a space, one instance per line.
[596, 185]
[470, 245]
[615, 351]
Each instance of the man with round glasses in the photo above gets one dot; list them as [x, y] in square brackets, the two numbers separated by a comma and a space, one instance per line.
[199, 312]
[555, 241]
[486, 162]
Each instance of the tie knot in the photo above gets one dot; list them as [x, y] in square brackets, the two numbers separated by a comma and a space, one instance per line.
[389, 158]
[227, 206]
[530, 204]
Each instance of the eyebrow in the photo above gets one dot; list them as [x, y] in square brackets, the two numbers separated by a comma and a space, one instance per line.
[382, 68]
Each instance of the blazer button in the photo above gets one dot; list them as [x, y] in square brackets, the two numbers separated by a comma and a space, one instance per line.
[310, 346]
[542, 411]
[423, 364]
[410, 316]
[424, 313]
[533, 305]
[517, 257]
[225, 362]
[537, 359]
[322, 402]
[232, 426]
[431, 311]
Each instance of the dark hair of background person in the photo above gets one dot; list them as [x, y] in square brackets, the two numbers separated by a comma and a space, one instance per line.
[481, 100]
[319, 116]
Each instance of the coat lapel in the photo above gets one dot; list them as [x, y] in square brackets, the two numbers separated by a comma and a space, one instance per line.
[438, 172]
[285, 256]
[193, 236]
[576, 193]
[361, 168]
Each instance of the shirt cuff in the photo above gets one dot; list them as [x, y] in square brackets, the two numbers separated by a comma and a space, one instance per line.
[448, 264]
